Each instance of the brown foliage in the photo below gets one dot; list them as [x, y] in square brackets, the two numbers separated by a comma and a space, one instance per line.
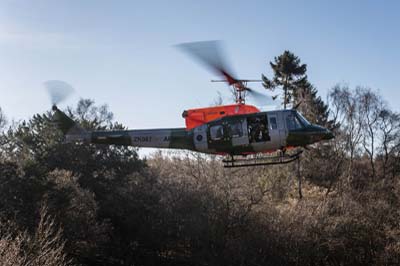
[44, 248]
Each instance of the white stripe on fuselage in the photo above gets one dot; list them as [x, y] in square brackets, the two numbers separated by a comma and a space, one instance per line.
[154, 138]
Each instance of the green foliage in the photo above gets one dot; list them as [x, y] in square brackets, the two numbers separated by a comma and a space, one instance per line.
[310, 105]
[289, 74]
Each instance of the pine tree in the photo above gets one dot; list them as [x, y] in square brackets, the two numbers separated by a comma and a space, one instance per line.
[289, 73]
[310, 104]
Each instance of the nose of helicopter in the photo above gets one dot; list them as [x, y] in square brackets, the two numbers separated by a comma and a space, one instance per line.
[320, 133]
[308, 135]
[327, 135]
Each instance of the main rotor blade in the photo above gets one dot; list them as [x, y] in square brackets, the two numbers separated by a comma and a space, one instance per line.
[58, 90]
[260, 98]
[210, 54]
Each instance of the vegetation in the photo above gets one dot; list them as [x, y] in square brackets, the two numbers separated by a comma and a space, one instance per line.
[3, 119]
[289, 75]
[77, 204]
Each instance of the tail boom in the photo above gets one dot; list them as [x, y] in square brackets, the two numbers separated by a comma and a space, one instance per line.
[177, 138]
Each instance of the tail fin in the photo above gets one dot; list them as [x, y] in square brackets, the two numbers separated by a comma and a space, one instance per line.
[71, 130]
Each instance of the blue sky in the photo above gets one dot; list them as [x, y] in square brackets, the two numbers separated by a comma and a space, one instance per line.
[121, 52]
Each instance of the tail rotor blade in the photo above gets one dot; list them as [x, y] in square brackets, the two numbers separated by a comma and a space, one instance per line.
[58, 90]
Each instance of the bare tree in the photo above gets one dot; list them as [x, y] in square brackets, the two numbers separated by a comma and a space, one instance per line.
[3, 119]
[48, 244]
[370, 105]
[45, 248]
[389, 127]
[345, 109]
[11, 246]
[92, 116]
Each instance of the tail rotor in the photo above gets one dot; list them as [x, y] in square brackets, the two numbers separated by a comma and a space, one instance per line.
[58, 91]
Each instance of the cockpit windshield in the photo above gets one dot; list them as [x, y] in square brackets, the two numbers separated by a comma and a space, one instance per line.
[295, 120]
[302, 119]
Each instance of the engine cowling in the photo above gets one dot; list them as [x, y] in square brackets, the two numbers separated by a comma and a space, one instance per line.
[199, 116]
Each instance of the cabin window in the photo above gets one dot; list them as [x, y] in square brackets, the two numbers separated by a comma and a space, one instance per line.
[216, 132]
[273, 123]
[258, 128]
[292, 122]
[236, 129]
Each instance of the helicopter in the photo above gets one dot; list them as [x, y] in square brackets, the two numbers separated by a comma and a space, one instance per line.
[240, 132]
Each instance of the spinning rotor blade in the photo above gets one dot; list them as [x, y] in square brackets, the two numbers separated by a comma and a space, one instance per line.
[260, 98]
[210, 54]
[58, 90]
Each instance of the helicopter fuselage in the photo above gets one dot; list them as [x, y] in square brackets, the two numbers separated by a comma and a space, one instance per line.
[230, 135]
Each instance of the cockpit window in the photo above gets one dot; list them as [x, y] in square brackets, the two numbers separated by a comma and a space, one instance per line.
[293, 122]
[302, 119]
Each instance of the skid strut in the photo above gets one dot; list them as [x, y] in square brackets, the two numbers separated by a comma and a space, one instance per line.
[283, 158]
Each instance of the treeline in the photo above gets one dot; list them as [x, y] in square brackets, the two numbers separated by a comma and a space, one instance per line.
[77, 204]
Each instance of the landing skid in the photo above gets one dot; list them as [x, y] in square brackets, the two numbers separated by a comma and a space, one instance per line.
[282, 158]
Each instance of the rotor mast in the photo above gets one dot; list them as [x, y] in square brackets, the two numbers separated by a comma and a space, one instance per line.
[239, 88]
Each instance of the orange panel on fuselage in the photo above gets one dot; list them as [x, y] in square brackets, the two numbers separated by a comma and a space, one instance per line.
[199, 116]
